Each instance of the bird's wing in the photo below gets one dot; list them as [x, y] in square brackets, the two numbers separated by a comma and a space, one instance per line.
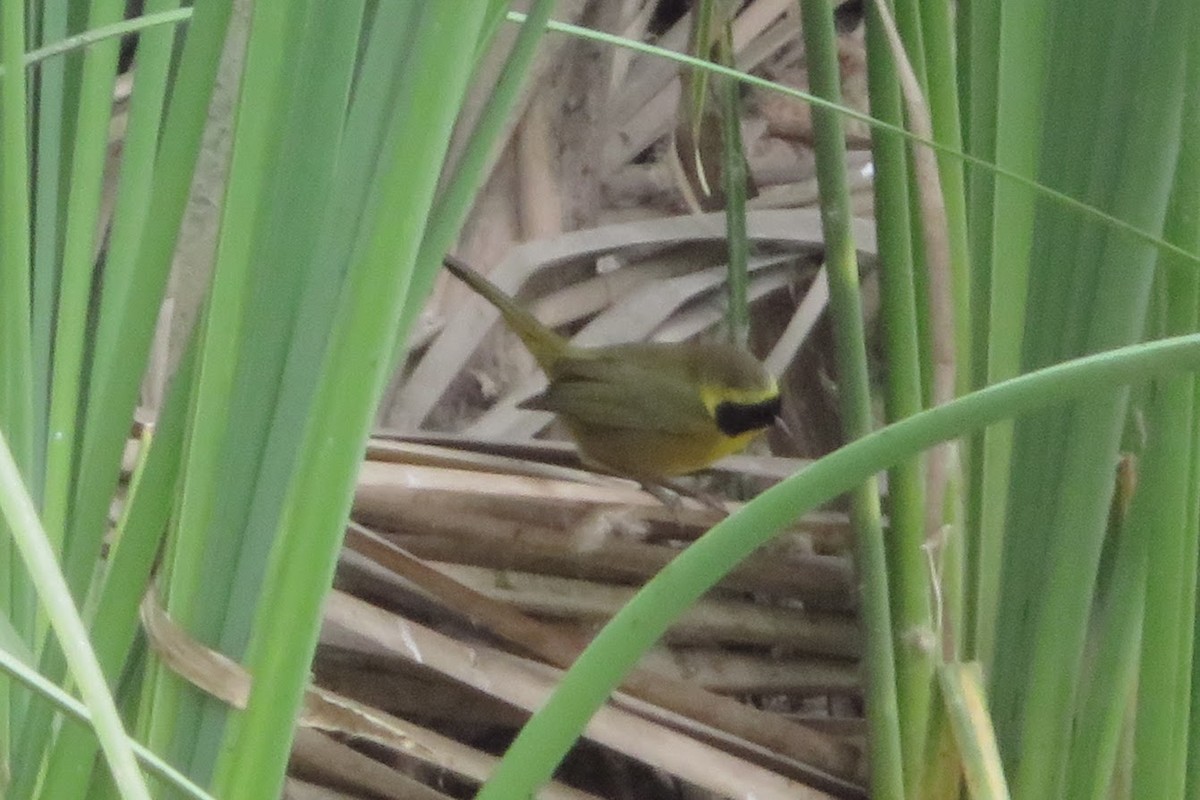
[614, 392]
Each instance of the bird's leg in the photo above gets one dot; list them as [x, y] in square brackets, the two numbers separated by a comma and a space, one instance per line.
[671, 498]
[669, 493]
[664, 490]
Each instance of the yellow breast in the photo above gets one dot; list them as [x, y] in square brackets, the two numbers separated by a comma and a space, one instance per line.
[652, 454]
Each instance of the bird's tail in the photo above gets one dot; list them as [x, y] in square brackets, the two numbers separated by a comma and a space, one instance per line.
[545, 345]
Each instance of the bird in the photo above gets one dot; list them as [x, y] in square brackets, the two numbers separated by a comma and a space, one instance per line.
[644, 410]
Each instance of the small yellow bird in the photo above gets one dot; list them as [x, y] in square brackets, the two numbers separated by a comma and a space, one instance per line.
[644, 410]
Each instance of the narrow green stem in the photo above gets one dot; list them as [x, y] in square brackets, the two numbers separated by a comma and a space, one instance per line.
[16, 369]
[841, 264]
[908, 567]
[133, 204]
[78, 259]
[942, 95]
[16, 399]
[48, 190]
[1104, 697]
[978, 55]
[1184, 223]
[1168, 496]
[1017, 141]
[1162, 524]
[733, 176]
[1192, 758]
[103, 32]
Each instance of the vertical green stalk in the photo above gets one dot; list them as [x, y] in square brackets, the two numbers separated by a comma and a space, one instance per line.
[1018, 104]
[70, 336]
[1192, 732]
[1167, 482]
[134, 189]
[1192, 765]
[1162, 697]
[887, 762]
[16, 412]
[1183, 227]
[1185, 219]
[907, 566]
[1113, 666]
[941, 89]
[378, 285]
[733, 176]
[129, 309]
[16, 409]
[908, 26]
[906, 14]
[47, 231]
[942, 93]
[978, 58]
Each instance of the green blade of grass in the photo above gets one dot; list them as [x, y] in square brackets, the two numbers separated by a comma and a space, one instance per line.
[1019, 85]
[907, 566]
[16, 379]
[1113, 659]
[1192, 756]
[841, 264]
[134, 189]
[734, 178]
[69, 351]
[1185, 211]
[1168, 500]
[47, 228]
[62, 44]
[942, 93]
[1183, 227]
[360, 352]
